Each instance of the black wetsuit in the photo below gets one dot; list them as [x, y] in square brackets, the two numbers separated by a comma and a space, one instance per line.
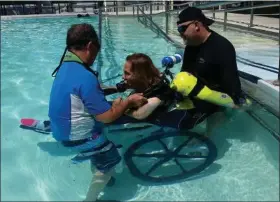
[162, 115]
[214, 64]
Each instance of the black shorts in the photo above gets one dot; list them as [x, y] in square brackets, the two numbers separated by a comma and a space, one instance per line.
[103, 157]
[106, 157]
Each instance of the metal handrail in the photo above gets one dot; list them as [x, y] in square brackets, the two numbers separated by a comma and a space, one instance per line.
[109, 8]
[201, 6]
[124, 6]
[159, 29]
[211, 5]
[131, 5]
[244, 8]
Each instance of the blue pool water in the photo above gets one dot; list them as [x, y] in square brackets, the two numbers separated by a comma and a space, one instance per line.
[34, 167]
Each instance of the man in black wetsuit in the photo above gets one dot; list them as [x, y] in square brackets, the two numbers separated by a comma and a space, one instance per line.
[209, 56]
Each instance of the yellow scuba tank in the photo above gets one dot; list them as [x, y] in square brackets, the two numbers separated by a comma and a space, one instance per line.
[188, 85]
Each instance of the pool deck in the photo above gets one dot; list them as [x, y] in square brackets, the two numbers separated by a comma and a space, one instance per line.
[263, 24]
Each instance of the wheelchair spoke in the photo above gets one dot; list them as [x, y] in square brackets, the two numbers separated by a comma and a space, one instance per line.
[159, 163]
[179, 164]
[177, 150]
[158, 155]
[164, 145]
[189, 156]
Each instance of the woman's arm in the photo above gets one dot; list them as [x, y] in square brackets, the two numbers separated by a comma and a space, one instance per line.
[144, 111]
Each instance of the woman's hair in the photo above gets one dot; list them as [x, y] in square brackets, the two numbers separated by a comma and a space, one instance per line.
[143, 69]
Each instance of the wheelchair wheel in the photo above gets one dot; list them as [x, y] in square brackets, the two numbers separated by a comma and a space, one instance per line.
[147, 159]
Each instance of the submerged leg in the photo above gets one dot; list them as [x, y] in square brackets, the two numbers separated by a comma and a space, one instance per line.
[103, 167]
[97, 184]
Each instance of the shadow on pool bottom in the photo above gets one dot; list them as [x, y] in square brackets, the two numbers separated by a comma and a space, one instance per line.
[126, 186]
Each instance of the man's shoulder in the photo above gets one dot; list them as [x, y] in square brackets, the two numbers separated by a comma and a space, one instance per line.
[221, 42]
[78, 70]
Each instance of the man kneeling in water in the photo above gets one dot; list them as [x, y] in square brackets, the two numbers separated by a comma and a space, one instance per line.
[166, 107]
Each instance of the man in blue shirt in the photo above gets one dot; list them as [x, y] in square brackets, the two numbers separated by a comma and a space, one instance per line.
[78, 108]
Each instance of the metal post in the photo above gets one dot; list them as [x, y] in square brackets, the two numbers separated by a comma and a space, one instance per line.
[225, 18]
[214, 13]
[279, 70]
[71, 6]
[146, 21]
[151, 12]
[151, 8]
[252, 14]
[279, 48]
[23, 9]
[137, 12]
[166, 18]
[133, 10]
[117, 9]
[59, 8]
[100, 61]
[100, 24]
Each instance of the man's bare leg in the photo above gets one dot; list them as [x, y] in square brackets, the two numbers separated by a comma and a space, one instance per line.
[98, 183]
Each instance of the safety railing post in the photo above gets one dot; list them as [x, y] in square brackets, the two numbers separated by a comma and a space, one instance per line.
[133, 10]
[166, 17]
[225, 18]
[279, 47]
[151, 8]
[117, 8]
[252, 14]
[214, 13]
[100, 24]
[279, 70]
[138, 12]
[100, 41]
[151, 12]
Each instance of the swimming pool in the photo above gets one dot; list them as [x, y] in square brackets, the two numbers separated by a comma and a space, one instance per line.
[247, 167]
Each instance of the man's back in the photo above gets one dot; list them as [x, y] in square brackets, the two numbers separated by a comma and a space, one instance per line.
[75, 98]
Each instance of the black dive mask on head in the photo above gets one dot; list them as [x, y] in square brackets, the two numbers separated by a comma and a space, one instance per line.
[68, 56]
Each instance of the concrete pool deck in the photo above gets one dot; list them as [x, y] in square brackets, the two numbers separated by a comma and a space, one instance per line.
[260, 22]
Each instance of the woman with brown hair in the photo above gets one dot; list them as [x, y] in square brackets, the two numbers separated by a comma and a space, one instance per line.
[141, 75]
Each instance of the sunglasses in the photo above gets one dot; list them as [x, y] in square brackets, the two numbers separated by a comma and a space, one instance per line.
[183, 28]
